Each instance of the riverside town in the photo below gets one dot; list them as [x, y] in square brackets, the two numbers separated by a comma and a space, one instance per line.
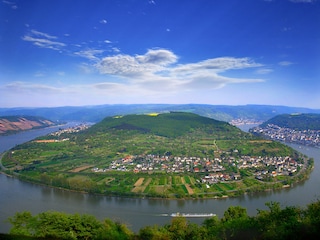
[269, 166]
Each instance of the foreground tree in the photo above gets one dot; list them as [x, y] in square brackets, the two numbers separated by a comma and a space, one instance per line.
[58, 225]
[273, 223]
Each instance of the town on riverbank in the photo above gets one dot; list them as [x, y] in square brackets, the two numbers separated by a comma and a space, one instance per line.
[303, 137]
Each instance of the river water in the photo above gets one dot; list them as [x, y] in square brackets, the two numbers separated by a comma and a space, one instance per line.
[16, 195]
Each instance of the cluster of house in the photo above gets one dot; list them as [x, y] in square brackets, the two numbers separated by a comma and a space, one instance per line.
[262, 166]
[306, 137]
[242, 121]
[74, 129]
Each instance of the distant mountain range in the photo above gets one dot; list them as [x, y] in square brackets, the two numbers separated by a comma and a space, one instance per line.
[97, 113]
[12, 124]
[296, 121]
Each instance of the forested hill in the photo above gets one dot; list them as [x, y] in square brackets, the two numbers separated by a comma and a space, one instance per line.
[12, 124]
[296, 121]
[172, 124]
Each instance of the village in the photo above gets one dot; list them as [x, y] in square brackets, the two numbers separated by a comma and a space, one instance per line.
[214, 170]
[74, 129]
[274, 132]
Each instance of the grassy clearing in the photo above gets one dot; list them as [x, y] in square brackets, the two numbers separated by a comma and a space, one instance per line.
[163, 180]
[141, 185]
[139, 182]
[189, 189]
[79, 169]
[182, 180]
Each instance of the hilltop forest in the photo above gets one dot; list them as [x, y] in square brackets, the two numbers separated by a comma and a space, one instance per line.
[169, 155]
[296, 121]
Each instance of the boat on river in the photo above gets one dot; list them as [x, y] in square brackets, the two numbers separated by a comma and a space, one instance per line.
[192, 214]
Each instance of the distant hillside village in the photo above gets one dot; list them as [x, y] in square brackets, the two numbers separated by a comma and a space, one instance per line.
[263, 167]
[274, 132]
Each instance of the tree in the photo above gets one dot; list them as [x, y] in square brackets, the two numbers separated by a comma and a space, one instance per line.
[234, 212]
[22, 224]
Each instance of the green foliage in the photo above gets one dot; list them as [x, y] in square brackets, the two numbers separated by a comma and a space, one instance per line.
[166, 125]
[273, 223]
[234, 212]
[56, 225]
[296, 121]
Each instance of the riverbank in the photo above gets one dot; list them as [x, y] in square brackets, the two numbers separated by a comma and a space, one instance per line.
[221, 187]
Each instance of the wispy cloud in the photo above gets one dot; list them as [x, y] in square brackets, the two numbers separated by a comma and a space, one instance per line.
[302, 1]
[158, 70]
[285, 63]
[43, 40]
[31, 88]
[103, 21]
[264, 71]
[11, 4]
[42, 34]
[91, 54]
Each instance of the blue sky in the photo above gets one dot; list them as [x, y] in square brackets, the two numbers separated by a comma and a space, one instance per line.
[230, 52]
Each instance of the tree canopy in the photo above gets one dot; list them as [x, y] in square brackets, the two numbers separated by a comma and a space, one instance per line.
[274, 223]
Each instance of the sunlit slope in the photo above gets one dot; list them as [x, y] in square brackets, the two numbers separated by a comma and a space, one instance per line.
[171, 125]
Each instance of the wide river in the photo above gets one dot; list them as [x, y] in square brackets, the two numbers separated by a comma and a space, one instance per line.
[16, 195]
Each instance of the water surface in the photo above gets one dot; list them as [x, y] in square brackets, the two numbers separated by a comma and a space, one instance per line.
[16, 195]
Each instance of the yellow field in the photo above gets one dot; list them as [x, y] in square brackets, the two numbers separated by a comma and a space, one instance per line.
[140, 185]
[79, 169]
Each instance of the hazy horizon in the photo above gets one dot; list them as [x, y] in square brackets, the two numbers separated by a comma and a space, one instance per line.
[66, 53]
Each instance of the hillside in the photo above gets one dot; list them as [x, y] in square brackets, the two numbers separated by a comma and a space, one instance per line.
[296, 121]
[12, 124]
[174, 154]
[174, 124]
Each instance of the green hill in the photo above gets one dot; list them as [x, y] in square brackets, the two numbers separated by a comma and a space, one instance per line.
[296, 121]
[156, 155]
[174, 124]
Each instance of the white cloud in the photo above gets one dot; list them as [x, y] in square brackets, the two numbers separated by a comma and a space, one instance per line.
[264, 71]
[116, 50]
[126, 65]
[43, 40]
[218, 64]
[285, 63]
[157, 70]
[103, 21]
[32, 88]
[158, 56]
[302, 1]
[41, 34]
[90, 54]
[12, 4]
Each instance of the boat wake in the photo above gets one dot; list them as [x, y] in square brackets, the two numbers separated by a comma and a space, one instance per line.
[187, 215]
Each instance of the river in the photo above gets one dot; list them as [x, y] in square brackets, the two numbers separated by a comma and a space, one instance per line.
[16, 195]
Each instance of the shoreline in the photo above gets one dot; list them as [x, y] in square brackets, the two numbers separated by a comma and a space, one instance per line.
[153, 198]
